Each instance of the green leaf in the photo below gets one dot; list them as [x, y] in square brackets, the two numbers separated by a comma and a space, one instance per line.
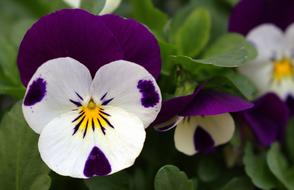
[242, 83]
[93, 6]
[171, 178]
[199, 70]
[9, 77]
[279, 166]
[258, 171]
[232, 56]
[290, 140]
[118, 181]
[230, 50]
[240, 183]
[193, 35]
[208, 169]
[145, 12]
[21, 166]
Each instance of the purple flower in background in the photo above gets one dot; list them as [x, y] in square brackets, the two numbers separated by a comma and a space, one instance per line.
[248, 14]
[202, 119]
[267, 24]
[268, 119]
[91, 90]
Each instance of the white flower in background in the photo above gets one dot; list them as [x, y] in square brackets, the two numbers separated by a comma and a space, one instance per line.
[273, 69]
[88, 126]
[202, 134]
[109, 7]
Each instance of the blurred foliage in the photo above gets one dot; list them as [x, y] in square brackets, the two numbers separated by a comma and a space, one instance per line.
[195, 48]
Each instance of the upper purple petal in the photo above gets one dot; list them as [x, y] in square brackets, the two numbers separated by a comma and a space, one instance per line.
[267, 119]
[248, 14]
[201, 102]
[209, 102]
[175, 106]
[136, 41]
[90, 39]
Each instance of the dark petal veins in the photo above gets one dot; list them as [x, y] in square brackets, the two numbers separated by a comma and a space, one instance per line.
[76, 103]
[209, 102]
[136, 41]
[97, 164]
[250, 13]
[203, 142]
[267, 119]
[36, 92]
[150, 96]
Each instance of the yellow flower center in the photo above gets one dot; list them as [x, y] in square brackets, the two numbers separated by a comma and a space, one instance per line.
[91, 116]
[283, 69]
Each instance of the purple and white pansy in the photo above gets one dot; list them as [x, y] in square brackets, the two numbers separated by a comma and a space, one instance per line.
[90, 92]
[109, 6]
[269, 26]
[202, 119]
[273, 69]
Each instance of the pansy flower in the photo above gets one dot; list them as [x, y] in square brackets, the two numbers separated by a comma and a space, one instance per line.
[91, 90]
[109, 6]
[268, 26]
[202, 120]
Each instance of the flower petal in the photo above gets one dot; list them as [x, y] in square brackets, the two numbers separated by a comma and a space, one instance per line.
[268, 40]
[136, 42]
[267, 119]
[259, 73]
[58, 86]
[128, 86]
[209, 102]
[248, 14]
[215, 130]
[74, 154]
[289, 34]
[283, 88]
[67, 33]
[110, 6]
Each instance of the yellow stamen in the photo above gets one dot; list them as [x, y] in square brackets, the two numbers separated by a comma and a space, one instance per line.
[283, 69]
[91, 116]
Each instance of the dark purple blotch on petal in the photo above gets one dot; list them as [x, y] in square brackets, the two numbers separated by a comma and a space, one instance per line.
[36, 92]
[203, 141]
[150, 96]
[267, 119]
[97, 164]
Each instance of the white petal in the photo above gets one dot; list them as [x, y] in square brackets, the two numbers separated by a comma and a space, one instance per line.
[73, 3]
[73, 154]
[110, 6]
[289, 35]
[219, 127]
[283, 88]
[129, 86]
[269, 41]
[184, 137]
[51, 88]
[259, 73]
